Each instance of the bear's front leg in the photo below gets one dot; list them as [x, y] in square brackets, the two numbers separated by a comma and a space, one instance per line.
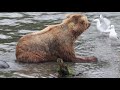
[85, 59]
[69, 55]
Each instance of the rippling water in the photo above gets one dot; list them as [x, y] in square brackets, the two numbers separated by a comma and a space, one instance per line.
[90, 43]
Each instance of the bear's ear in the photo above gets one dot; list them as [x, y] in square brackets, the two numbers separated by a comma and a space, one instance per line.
[72, 15]
[67, 15]
[76, 18]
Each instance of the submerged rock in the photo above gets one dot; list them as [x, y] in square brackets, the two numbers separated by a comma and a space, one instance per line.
[3, 65]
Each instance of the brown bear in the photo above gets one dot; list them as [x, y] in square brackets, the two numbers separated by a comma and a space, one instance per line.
[55, 41]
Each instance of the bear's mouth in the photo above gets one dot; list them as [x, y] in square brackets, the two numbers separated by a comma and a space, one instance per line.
[89, 24]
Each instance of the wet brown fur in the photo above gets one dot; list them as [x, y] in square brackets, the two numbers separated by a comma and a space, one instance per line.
[55, 41]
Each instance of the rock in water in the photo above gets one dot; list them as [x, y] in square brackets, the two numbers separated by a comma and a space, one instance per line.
[63, 69]
[3, 65]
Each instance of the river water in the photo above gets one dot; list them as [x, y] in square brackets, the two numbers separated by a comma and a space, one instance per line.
[14, 25]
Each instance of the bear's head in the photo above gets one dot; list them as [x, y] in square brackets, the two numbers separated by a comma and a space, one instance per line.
[77, 22]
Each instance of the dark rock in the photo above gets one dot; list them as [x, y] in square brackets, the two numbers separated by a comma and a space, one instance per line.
[3, 65]
[63, 69]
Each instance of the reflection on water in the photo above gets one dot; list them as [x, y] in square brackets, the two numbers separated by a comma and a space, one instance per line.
[90, 43]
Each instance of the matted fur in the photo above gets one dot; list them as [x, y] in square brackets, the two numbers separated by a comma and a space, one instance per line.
[55, 41]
